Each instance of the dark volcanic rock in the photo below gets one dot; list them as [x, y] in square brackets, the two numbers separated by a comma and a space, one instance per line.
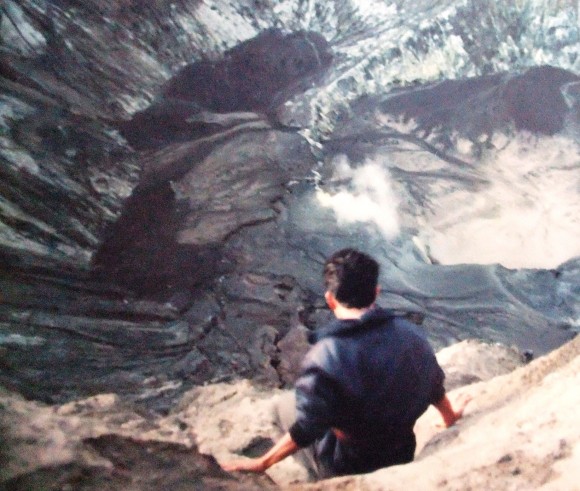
[476, 108]
[142, 253]
[535, 101]
[191, 200]
[257, 75]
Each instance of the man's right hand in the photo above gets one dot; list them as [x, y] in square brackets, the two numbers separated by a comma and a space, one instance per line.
[284, 447]
[245, 465]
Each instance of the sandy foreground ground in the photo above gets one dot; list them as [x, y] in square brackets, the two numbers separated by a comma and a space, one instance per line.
[520, 431]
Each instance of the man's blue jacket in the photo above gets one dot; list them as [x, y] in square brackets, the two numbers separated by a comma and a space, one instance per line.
[363, 385]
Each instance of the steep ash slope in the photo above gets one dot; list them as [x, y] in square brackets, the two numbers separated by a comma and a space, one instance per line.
[504, 441]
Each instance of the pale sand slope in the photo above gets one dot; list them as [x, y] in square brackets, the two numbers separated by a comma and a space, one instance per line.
[519, 432]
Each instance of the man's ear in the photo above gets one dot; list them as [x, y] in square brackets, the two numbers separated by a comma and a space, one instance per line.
[330, 300]
[377, 291]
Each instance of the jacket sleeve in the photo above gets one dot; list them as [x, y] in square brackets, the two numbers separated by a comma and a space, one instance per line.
[316, 395]
[431, 372]
[438, 387]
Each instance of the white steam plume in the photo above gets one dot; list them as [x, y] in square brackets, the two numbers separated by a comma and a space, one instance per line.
[528, 216]
[366, 196]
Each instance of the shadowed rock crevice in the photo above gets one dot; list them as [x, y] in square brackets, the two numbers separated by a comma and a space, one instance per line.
[120, 463]
[142, 253]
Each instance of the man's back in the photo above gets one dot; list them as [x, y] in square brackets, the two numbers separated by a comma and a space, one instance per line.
[370, 379]
[367, 379]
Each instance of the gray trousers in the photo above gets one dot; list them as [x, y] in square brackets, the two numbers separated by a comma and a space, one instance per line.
[285, 416]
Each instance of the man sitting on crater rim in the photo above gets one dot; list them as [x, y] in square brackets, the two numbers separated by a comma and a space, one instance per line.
[364, 383]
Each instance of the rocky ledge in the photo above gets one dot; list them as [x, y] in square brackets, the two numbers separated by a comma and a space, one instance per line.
[503, 442]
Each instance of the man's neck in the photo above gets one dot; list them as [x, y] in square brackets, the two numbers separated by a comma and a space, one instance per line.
[344, 313]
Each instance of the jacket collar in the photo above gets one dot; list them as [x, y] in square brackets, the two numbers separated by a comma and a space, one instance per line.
[373, 318]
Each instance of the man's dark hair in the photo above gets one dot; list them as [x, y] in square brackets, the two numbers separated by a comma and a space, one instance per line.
[352, 277]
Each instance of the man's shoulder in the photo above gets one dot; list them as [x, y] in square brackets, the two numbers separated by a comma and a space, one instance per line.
[401, 322]
[319, 349]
